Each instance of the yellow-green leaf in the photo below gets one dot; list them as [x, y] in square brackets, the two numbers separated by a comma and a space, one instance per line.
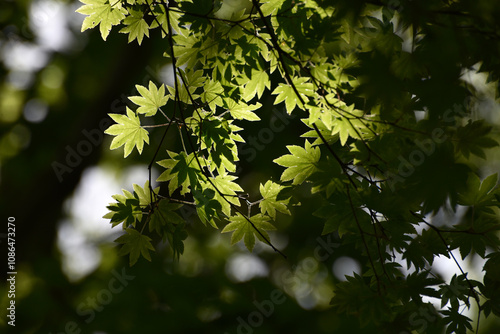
[128, 132]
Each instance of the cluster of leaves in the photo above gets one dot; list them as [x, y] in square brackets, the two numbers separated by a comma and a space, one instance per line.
[378, 170]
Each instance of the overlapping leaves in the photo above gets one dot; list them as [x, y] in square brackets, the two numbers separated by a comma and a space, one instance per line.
[105, 13]
[313, 61]
[141, 207]
[244, 229]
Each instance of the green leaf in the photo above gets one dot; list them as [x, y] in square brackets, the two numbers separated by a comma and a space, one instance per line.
[126, 209]
[341, 218]
[242, 229]
[224, 183]
[177, 238]
[287, 93]
[161, 17]
[212, 93]
[479, 193]
[270, 203]
[354, 297]
[135, 26]
[207, 207]
[259, 80]
[241, 110]
[473, 138]
[144, 194]
[217, 137]
[128, 132]
[164, 216]
[458, 323]
[481, 233]
[423, 249]
[323, 129]
[101, 12]
[271, 6]
[301, 163]
[187, 50]
[136, 244]
[351, 124]
[150, 100]
[181, 171]
[455, 292]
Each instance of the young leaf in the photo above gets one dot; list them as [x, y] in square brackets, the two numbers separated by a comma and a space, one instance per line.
[224, 183]
[301, 163]
[136, 244]
[287, 93]
[350, 125]
[150, 100]
[241, 110]
[144, 194]
[241, 228]
[101, 12]
[270, 203]
[206, 204]
[259, 81]
[182, 171]
[216, 136]
[135, 26]
[128, 132]
[126, 209]
[212, 92]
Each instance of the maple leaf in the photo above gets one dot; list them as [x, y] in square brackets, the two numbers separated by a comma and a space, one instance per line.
[136, 244]
[224, 183]
[144, 193]
[212, 92]
[181, 171]
[177, 238]
[242, 229]
[241, 110]
[217, 136]
[259, 81]
[150, 100]
[301, 163]
[479, 193]
[287, 93]
[103, 13]
[165, 217]
[126, 209]
[128, 132]
[135, 26]
[270, 203]
[350, 125]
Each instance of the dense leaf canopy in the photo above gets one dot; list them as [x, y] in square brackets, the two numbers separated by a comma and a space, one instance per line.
[356, 77]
